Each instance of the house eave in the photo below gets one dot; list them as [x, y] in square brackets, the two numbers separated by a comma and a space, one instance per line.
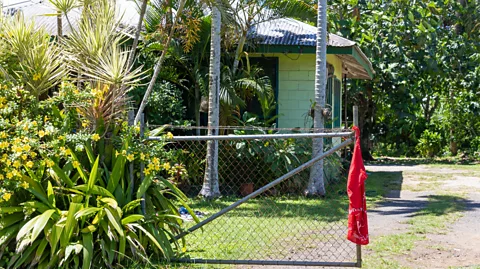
[355, 62]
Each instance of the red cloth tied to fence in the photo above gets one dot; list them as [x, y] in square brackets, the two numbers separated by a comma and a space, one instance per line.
[357, 211]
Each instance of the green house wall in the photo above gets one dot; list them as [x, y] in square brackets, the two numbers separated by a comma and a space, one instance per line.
[296, 87]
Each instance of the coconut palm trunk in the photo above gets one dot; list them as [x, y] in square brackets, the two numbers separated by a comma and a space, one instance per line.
[316, 185]
[210, 187]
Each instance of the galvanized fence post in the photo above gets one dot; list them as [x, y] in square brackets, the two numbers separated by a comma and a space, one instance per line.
[359, 247]
[131, 118]
[142, 164]
[355, 115]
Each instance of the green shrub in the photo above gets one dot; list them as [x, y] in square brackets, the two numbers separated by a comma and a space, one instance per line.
[429, 144]
[165, 105]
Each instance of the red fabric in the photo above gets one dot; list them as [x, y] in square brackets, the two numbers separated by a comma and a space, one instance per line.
[357, 211]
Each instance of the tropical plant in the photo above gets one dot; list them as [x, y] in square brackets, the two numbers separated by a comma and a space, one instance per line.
[166, 105]
[429, 144]
[426, 64]
[70, 188]
[32, 59]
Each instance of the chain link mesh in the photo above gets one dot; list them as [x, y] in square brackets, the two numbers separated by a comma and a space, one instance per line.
[281, 223]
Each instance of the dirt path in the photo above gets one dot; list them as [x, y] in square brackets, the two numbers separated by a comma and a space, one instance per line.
[455, 246]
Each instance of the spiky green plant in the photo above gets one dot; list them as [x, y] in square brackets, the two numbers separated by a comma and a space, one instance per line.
[38, 63]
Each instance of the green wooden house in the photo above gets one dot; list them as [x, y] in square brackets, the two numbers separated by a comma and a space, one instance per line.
[285, 49]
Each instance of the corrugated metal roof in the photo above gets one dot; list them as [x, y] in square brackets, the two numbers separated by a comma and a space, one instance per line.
[289, 31]
[40, 12]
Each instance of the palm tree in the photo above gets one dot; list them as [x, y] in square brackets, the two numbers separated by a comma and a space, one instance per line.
[161, 60]
[316, 185]
[210, 187]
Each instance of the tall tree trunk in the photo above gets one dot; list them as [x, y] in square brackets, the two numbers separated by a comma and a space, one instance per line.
[131, 57]
[159, 64]
[210, 187]
[316, 185]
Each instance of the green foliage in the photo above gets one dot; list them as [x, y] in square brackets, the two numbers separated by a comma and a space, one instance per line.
[165, 105]
[429, 144]
[70, 184]
[426, 61]
[475, 145]
[31, 57]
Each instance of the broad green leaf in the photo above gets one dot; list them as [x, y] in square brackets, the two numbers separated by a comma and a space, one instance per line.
[89, 229]
[147, 181]
[40, 224]
[36, 189]
[131, 205]
[40, 251]
[114, 221]
[27, 227]
[109, 201]
[97, 190]
[60, 174]
[98, 217]
[411, 17]
[89, 150]
[132, 218]
[70, 224]
[54, 237]
[9, 210]
[93, 175]
[117, 173]
[121, 246]
[86, 212]
[87, 241]
[79, 168]
[50, 193]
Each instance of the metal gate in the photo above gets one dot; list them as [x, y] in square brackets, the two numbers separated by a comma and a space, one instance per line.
[262, 216]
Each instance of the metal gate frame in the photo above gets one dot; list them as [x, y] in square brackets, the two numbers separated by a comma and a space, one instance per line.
[348, 141]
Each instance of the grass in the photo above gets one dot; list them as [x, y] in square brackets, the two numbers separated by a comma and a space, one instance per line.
[440, 211]
[275, 228]
[379, 184]
[268, 228]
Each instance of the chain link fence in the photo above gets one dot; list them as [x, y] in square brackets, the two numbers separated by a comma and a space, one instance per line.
[259, 225]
